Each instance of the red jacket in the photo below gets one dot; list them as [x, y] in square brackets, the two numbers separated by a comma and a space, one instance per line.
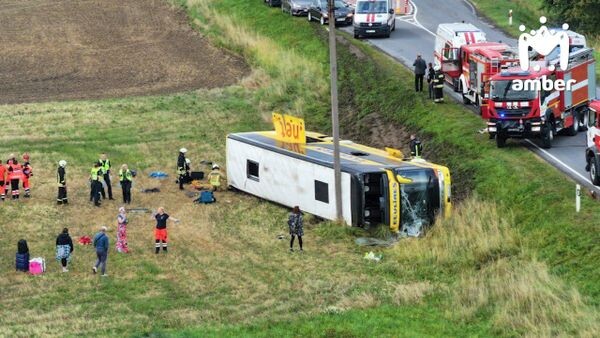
[2, 173]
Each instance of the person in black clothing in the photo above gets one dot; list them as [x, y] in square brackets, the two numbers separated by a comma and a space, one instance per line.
[430, 76]
[296, 225]
[64, 249]
[105, 165]
[61, 179]
[160, 231]
[420, 67]
[416, 148]
[181, 167]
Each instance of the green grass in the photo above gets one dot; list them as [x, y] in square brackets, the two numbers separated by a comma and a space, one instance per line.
[228, 275]
[526, 12]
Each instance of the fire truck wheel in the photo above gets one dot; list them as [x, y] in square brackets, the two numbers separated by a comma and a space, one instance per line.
[456, 85]
[582, 122]
[572, 130]
[356, 36]
[500, 141]
[465, 99]
[594, 174]
[547, 135]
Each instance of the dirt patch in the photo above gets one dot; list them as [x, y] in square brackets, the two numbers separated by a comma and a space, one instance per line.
[63, 50]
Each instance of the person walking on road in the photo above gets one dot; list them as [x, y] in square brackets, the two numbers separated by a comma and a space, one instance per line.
[181, 167]
[160, 232]
[430, 76]
[101, 243]
[61, 178]
[122, 231]
[105, 165]
[296, 225]
[420, 67]
[126, 179]
[64, 249]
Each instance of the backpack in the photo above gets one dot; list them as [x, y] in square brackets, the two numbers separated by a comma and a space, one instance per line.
[22, 247]
[206, 197]
[37, 266]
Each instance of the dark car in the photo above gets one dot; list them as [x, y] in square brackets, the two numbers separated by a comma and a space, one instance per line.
[295, 7]
[319, 10]
[273, 3]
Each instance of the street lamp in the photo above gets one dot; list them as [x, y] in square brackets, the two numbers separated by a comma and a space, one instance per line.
[334, 113]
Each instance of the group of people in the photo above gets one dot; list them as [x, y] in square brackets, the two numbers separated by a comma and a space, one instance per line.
[435, 79]
[100, 176]
[185, 173]
[11, 176]
[101, 242]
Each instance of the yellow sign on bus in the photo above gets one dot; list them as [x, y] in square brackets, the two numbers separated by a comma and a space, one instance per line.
[289, 129]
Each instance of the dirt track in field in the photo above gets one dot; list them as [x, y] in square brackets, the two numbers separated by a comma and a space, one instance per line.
[63, 50]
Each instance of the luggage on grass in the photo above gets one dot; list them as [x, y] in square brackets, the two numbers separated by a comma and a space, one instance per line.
[37, 266]
[22, 262]
[206, 197]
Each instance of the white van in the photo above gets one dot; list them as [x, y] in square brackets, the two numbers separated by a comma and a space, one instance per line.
[374, 18]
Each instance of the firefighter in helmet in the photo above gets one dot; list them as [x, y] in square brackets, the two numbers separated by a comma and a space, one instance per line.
[416, 147]
[62, 183]
[214, 178]
[438, 85]
[181, 165]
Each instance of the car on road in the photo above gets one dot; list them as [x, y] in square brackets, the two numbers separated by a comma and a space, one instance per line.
[295, 7]
[319, 11]
[374, 18]
[273, 3]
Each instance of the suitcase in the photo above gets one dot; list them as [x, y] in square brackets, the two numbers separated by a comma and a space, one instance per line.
[22, 262]
[37, 266]
[196, 175]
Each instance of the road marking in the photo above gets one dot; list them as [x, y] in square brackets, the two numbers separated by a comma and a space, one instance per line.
[585, 179]
[472, 7]
[417, 23]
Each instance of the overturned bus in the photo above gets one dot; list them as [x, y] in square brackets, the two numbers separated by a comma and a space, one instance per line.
[378, 187]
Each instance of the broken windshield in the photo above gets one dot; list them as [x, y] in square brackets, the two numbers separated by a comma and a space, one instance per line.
[420, 200]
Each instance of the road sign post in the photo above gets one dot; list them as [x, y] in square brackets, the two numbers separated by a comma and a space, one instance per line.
[577, 197]
[510, 17]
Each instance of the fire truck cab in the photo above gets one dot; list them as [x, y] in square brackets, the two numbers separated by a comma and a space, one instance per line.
[480, 61]
[449, 39]
[592, 151]
[532, 104]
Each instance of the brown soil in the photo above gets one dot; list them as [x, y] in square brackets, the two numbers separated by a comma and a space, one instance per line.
[76, 49]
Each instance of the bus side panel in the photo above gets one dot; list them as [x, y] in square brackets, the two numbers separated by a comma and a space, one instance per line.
[286, 180]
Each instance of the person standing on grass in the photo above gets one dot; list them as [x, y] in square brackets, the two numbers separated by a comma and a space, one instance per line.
[61, 178]
[96, 184]
[430, 76]
[104, 163]
[122, 231]
[160, 232]
[181, 167]
[296, 225]
[126, 179]
[101, 243]
[420, 67]
[64, 249]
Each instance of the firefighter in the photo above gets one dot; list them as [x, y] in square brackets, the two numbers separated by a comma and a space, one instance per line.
[181, 167]
[15, 174]
[61, 178]
[416, 147]
[430, 76]
[126, 178]
[2, 182]
[214, 178]
[438, 85]
[105, 165]
[27, 173]
[96, 184]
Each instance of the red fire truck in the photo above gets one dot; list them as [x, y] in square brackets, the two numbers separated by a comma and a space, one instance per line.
[592, 152]
[533, 104]
[480, 61]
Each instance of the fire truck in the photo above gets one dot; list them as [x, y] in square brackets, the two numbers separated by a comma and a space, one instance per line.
[480, 61]
[540, 108]
[449, 40]
[592, 152]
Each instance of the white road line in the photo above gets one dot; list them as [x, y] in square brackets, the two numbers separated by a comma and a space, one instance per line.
[585, 179]
[417, 23]
[472, 7]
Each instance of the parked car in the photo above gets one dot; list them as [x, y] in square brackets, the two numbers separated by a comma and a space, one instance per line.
[273, 3]
[319, 10]
[295, 7]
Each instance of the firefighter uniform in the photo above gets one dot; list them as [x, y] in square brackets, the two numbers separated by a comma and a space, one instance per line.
[15, 174]
[2, 182]
[61, 179]
[126, 178]
[181, 165]
[214, 178]
[96, 184]
[416, 148]
[438, 85]
[105, 165]
[27, 173]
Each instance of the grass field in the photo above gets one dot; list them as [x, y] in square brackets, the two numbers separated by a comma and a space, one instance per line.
[495, 268]
[525, 12]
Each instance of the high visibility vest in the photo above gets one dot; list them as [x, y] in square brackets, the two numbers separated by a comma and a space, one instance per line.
[96, 173]
[214, 178]
[105, 165]
[15, 171]
[125, 176]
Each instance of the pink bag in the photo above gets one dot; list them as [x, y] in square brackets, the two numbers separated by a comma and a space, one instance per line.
[37, 266]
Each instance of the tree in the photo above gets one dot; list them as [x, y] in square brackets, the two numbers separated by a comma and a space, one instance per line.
[581, 15]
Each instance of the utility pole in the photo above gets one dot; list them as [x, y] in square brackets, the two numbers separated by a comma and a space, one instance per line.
[334, 113]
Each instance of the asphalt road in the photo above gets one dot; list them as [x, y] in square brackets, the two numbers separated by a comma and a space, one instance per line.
[415, 34]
